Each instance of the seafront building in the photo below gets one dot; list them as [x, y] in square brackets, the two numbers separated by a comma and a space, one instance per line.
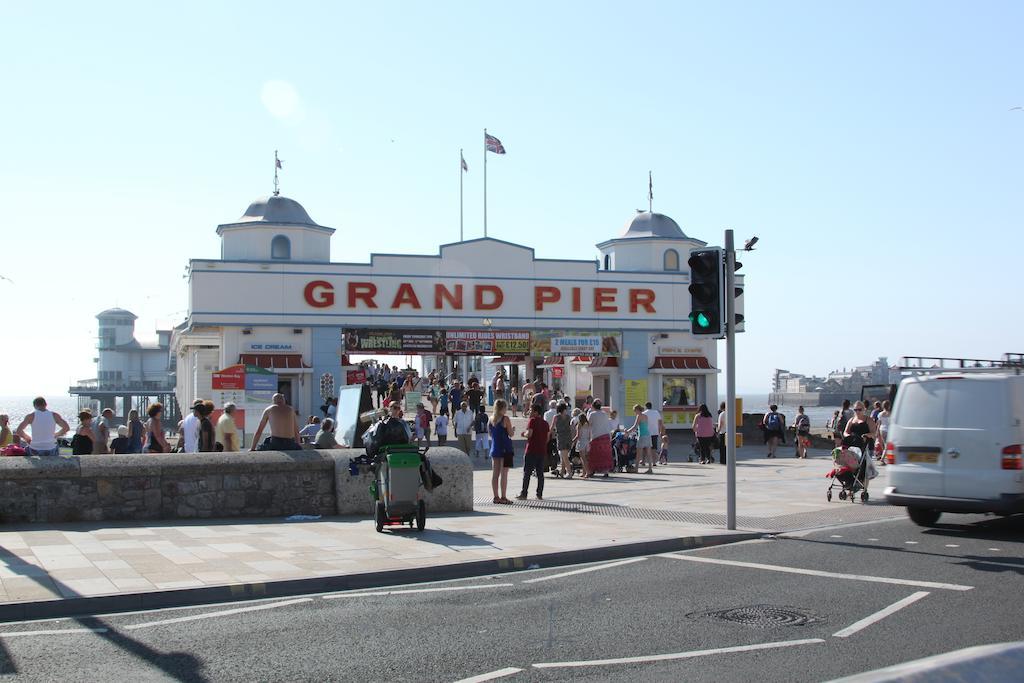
[274, 313]
[129, 373]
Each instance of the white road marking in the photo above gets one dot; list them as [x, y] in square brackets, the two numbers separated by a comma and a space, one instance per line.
[500, 673]
[608, 565]
[680, 655]
[222, 613]
[872, 539]
[910, 542]
[879, 615]
[356, 594]
[55, 632]
[952, 545]
[995, 550]
[835, 536]
[816, 572]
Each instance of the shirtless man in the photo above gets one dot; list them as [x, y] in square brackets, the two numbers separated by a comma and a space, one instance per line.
[284, 432]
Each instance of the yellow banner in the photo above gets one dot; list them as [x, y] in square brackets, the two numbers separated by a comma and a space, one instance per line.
[636, 393]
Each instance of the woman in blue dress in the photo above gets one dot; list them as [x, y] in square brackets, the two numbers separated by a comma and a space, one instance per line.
[502, 451]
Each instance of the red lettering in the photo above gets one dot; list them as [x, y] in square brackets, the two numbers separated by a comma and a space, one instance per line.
[641, 298]
[442, 294]
[604, 300]
[545, 295]
[319, 294]
[405, 295]
[575, 299]
[362, 291]
[497, 297]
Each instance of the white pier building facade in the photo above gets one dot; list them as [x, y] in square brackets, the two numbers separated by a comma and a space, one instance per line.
[275, 313]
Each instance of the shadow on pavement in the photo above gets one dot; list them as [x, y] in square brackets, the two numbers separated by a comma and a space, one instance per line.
[177, 665]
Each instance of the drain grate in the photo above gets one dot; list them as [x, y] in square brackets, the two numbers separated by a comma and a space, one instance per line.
[762, 616]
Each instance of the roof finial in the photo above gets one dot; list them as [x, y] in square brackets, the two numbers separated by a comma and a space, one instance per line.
[650, 193]
[277, 165]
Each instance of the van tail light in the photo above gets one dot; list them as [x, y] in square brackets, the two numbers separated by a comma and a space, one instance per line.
[1012, 459]
[890, 453]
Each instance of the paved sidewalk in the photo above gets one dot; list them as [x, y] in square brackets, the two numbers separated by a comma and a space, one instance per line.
[58, 569]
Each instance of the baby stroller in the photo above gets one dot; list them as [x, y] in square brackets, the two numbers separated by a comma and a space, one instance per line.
[624, 447]
[575, 459]
[851, 471]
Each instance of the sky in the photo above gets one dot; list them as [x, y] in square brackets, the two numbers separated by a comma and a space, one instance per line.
[870, 146]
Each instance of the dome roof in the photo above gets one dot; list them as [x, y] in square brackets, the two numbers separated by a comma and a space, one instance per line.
[648, 224]
[116, 313]
[276, 209]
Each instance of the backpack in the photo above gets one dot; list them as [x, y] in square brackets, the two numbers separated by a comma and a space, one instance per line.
[773, 422]
[803, 424]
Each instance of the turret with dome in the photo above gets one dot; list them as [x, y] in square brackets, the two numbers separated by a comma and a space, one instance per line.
[275, 228]
[649, 242]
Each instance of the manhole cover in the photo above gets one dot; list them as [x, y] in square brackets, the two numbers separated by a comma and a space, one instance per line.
[762, 616]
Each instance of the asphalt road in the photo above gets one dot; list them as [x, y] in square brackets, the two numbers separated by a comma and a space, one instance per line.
[812, 602]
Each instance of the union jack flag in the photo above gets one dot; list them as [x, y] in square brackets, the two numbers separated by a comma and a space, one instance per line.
[493, 144]
[465, 167]
[277, 162]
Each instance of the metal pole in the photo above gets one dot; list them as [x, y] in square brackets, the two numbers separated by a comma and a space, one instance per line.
[462, 160]
[485, 182]
[730, 381]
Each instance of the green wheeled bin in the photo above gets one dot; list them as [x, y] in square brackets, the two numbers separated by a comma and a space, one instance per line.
[397, 487]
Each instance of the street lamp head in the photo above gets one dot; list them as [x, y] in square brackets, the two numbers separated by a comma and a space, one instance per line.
[749, 244]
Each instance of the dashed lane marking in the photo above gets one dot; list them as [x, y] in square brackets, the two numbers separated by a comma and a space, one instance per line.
[222, 613]
[608, 565]
[407, 591]
[952, 545]
[879, 615]
[816, 572]
[679, 655]
[500, 673]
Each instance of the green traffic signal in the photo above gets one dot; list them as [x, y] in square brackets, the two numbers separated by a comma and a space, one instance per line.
[703, 321]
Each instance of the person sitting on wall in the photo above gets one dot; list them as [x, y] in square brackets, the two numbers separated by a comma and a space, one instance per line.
[325, 437]
[284, 432]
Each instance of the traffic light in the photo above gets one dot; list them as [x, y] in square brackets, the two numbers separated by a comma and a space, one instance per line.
[707, 281]
[738, 294]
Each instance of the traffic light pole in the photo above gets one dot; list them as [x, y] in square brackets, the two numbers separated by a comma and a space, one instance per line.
[730, 380]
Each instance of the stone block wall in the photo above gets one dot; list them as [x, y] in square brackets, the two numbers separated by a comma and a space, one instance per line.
[206, 485]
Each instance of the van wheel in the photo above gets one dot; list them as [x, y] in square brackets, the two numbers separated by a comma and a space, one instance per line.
[378, 516]
[421, 516]
[923, 517]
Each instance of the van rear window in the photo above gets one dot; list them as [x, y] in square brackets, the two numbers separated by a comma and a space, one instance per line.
[920, 405]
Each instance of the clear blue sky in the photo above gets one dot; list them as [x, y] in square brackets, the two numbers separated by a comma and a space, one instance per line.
[868, 144]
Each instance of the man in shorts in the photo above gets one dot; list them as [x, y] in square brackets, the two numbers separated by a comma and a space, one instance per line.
[284, 432]
[655, 425]
[537, 432]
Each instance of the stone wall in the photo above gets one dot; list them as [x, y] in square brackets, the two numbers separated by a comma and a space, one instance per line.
[207, 485]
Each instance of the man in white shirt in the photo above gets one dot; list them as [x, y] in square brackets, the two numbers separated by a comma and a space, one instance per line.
[721, 428]
[45, 432]
[463, 420]
[655, 424]
[190, 429]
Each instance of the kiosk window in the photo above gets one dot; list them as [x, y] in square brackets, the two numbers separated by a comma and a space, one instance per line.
[679, 391]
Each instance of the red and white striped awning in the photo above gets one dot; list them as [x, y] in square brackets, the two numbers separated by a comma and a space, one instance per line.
[273, 361]
[681, 363]
[581, 359]
[605, 362]
[508, 360]
[552, 361]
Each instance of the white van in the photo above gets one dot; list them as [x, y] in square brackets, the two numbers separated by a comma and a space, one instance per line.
[954, 445]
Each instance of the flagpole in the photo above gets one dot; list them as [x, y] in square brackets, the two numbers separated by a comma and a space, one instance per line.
[485, 182]
[461, 173]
